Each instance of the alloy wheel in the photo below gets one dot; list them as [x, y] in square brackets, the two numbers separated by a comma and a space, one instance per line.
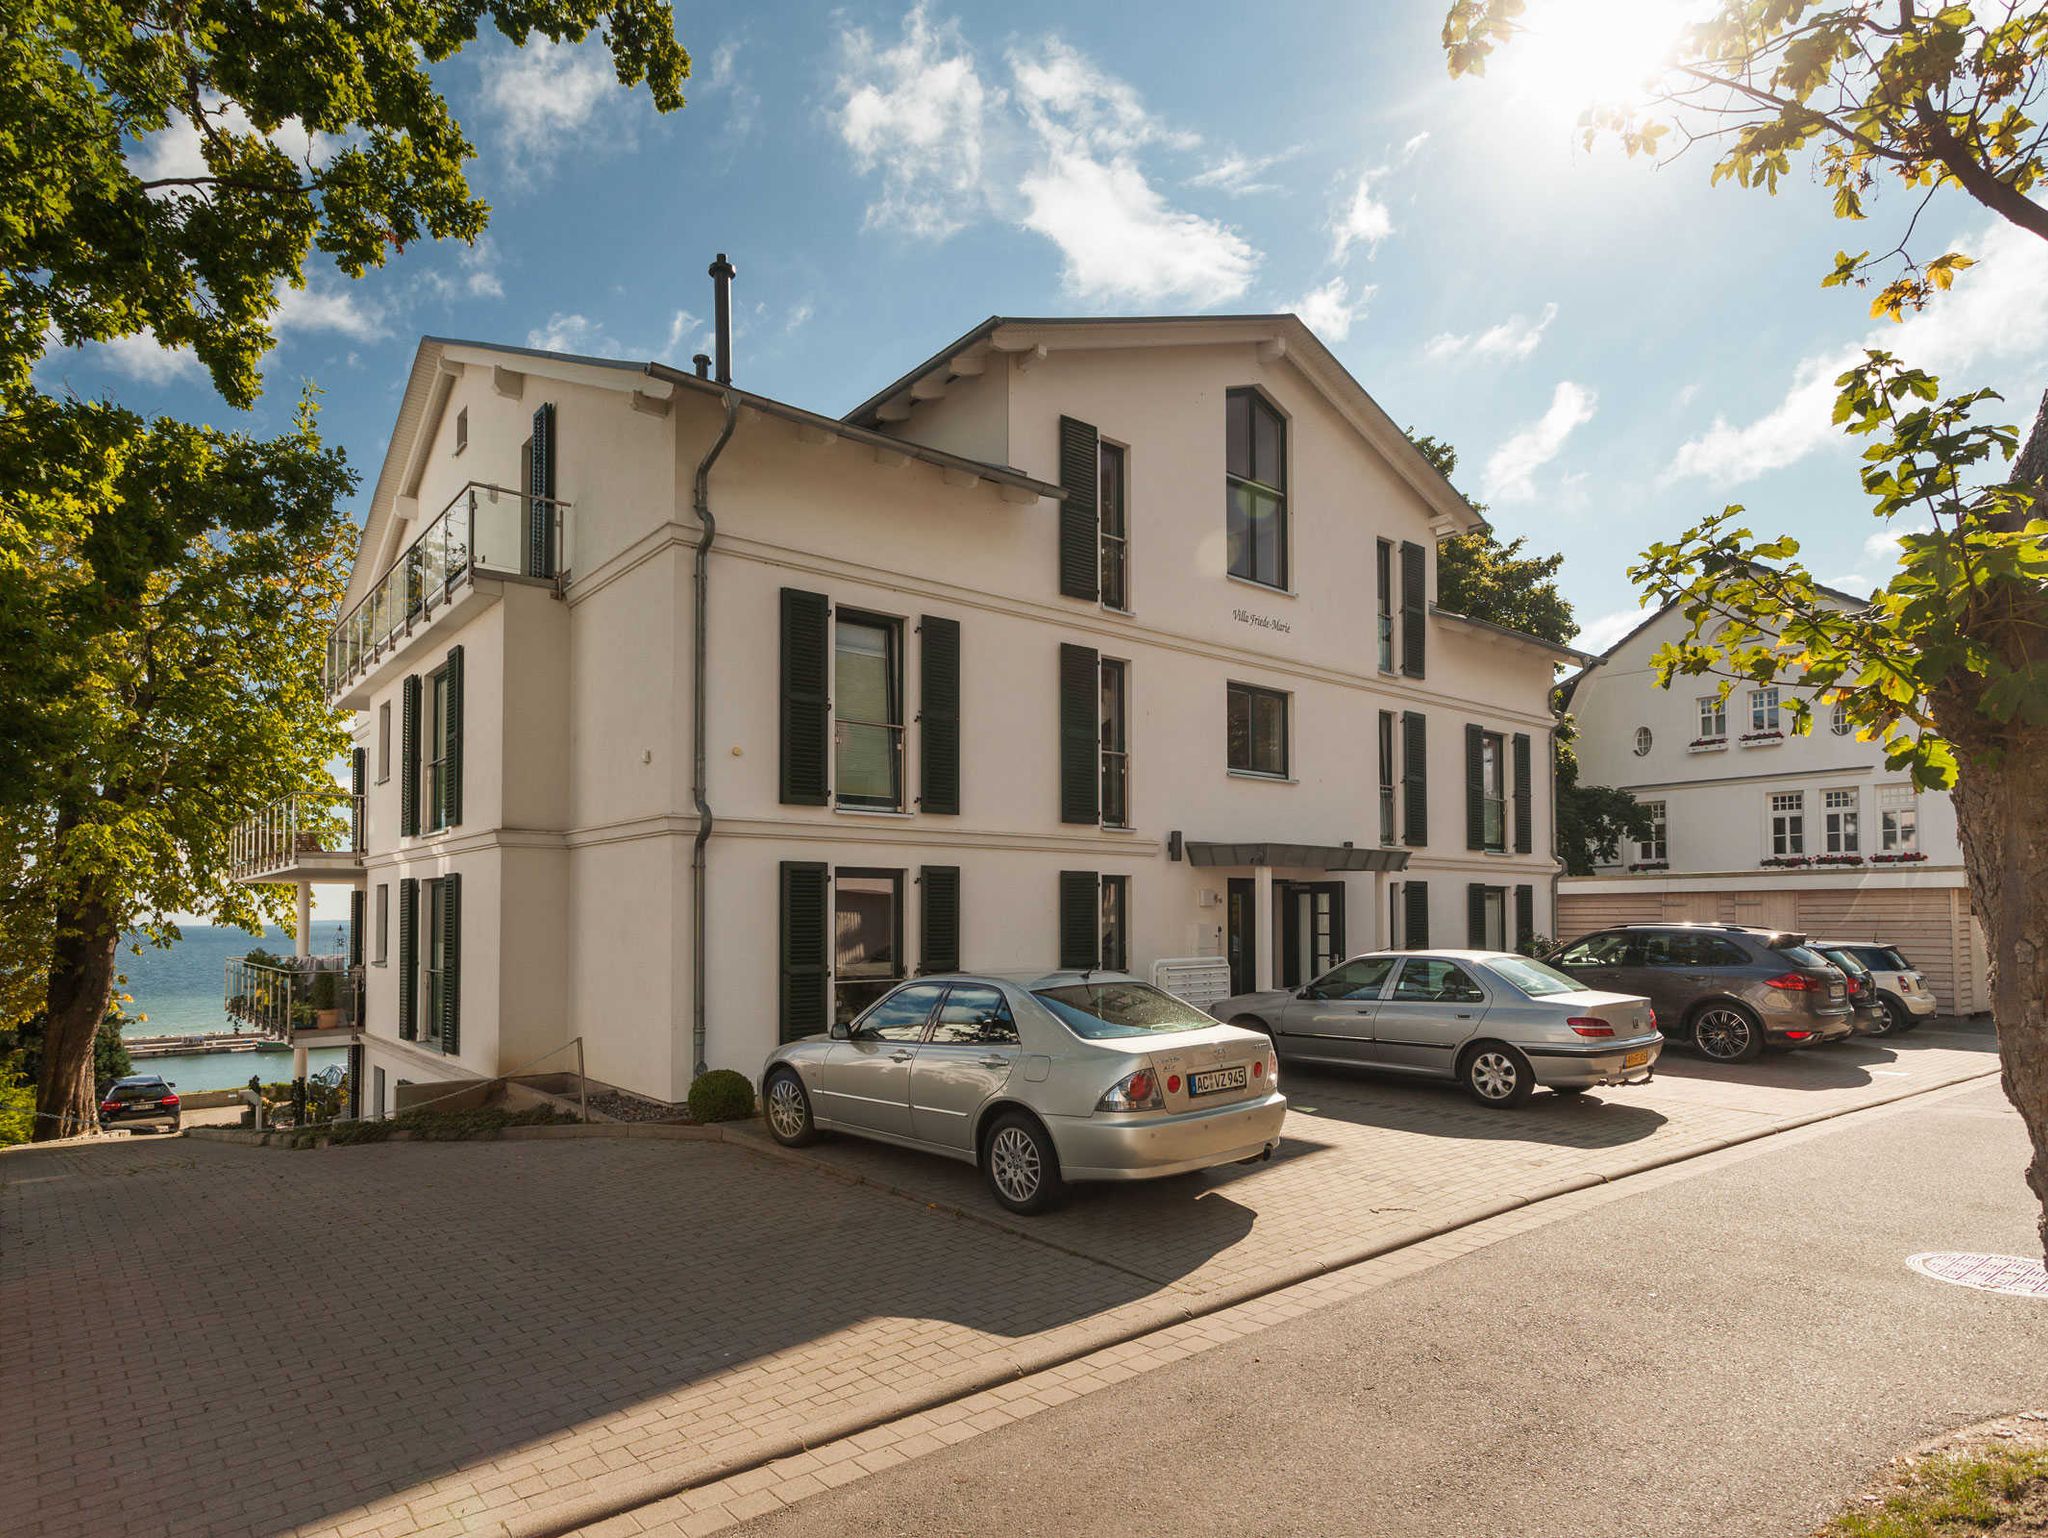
[1724, 1034]
[1894, 1019]
[1494, 1075]
[1014, 1164]
[786, 1110]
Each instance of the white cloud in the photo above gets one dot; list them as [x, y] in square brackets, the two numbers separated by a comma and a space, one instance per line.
[1510, 473]
[799, 316]
[1513, 339]
[175, 150]
[1997, 311]
[574, 333]
[143, 358]
[1597, 635]
[544, 96]
[1057, 84]
[317, 309]
[1414, 144]
[915, 111]
[1239, 175]
[722, 78]
[1329, 311]
[1364, 220]
[679, 323]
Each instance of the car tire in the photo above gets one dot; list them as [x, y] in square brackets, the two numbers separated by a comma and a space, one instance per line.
[1727, 1033]
[786, 1107]
[1496, 1075]
[1021, 1165]
[1893, 1019]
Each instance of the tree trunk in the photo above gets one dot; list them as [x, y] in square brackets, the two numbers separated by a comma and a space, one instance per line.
[81, 989]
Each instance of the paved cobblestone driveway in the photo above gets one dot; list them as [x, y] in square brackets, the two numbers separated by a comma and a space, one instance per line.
[199, 1338]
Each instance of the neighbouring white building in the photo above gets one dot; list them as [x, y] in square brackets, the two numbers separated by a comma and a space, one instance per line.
[1755, 825]
[688, 719]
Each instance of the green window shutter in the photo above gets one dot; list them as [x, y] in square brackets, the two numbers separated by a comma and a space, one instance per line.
[540, 506]
[356, 904]
[1475, 787]
[358, 770]
[1414, 601]
[1414, 778]
[1475, 916]
[804, 990]
[1524, 823]
[806, 696]
[451, 773]
[1080, 517]
[409, 757]
[938, 715]
[1080, 919]
[451, 973]
[1525, 917]
[1080, 734]
[408, 959]
[1414, 915]
[938, 924]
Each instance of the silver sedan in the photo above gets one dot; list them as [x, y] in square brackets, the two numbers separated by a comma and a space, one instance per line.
[1498, 1023]
[1039, 1079]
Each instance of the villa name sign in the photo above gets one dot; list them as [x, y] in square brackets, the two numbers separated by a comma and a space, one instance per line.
[1262, 621]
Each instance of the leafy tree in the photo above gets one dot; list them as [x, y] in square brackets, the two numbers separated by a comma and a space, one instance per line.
[1886, 90]
[1478, 576]
[21, 1059]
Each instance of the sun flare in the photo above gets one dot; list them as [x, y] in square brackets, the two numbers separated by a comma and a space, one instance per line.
[1577, 54]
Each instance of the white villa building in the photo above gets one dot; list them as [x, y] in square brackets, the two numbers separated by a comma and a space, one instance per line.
[688, 720]
[1754, 825]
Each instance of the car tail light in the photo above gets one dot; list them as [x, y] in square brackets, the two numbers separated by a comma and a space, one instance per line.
[1653, 1018]
[1258, 1068]
[1792, 982]
[1854, 986]
[1590, 1025]
[1134, 1092]
[169, 1100]
[110, 1107]
[1173, 1084]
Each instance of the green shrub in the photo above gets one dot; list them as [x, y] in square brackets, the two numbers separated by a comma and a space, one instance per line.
[326, 989]
[721, 1095]
[433, 1126]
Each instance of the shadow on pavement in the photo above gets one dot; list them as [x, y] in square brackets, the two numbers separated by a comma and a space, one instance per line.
[1601, 1118]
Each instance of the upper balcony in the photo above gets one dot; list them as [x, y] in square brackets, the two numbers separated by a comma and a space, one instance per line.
[301, 838]
[485, 531]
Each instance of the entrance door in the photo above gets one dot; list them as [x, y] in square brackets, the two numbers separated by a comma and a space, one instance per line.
[1241, 933]
[1311, 930]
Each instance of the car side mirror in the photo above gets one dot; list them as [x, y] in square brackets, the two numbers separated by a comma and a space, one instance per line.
[839, 1032]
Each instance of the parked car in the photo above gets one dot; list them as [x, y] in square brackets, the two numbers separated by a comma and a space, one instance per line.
[1903, 992]
[1498, 1023]
[1039, 1079]
[1728, 988]
[142, 1099]
[1867, 1012]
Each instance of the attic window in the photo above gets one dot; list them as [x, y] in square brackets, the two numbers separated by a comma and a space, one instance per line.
[462, 429]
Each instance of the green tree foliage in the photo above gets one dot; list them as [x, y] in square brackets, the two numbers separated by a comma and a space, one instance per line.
[21, 1061]
[1922, 97]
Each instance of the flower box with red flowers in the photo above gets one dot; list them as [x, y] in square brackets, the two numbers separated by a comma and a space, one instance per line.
[1786, 861]
[1706, 745]
[1910, 857]
[1761, 739]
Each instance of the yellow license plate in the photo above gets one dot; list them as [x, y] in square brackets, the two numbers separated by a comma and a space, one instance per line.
[1636, 1059]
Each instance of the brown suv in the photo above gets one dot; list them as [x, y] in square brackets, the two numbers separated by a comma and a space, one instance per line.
[1732, 990]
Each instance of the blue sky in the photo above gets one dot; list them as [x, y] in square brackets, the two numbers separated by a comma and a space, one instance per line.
[1615, 348]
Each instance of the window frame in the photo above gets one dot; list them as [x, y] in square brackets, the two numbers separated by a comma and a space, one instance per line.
[461, 429]
[1841, 822]
[891, 627]
[1384, 616]
[382, 907]
[1898, 824]
[1838, 719]
[1249, 480]
[1786, 825]
[435, 728]
[936, 1020]
[1105, 450]
[433, 961]
[1253, 693]
[1494, 901]
[1655, 850]
[1390, 822]
[1114, 756]
[1493, 809]
[899, 937]
[1645, 739]
[1713, 717]
[1113, 923]
[383, 741]
[1763, 710]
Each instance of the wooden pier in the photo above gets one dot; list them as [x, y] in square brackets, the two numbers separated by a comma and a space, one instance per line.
[140, 1047]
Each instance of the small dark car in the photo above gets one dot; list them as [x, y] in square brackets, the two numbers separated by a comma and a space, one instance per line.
[1728, 988]
[141, 1100]
[1870, 1014]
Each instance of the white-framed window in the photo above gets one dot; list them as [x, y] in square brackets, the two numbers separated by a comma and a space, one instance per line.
[1839, 822]
[1113, 522]
[1115, 938]
[1383, 572]
[867, 947]
[462, 429]
[1388, 834]
[383, 922]
[1643, 741]
[1763, 709]
[1713, 717]
[1493, 791]
[383, 741]
[867, 704]
[1838, 719]
[1898, 820]
[1788, 822]
[440, 730]
[1651, 850]
[1116, 744]
[1255, 488]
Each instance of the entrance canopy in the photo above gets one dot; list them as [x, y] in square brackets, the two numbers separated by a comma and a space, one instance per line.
[1296, 856]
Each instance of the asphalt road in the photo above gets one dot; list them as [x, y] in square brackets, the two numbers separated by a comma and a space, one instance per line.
[1723, 1355]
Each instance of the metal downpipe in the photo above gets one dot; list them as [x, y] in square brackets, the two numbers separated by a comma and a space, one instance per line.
[699, 790]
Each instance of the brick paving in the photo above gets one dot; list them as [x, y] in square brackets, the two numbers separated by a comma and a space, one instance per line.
[417, 1338]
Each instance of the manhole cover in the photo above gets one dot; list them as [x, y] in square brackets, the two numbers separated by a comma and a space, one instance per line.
[1988, 1273]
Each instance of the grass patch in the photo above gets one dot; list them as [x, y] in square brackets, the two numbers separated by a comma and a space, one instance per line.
[1990, 1490]
[432, 1126]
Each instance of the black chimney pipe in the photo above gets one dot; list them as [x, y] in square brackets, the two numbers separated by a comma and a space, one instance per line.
[722, 273]
[701, 362]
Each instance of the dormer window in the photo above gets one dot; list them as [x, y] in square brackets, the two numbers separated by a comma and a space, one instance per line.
[1255, 488]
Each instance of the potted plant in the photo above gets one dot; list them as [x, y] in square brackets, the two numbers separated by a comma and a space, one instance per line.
[326, 1001]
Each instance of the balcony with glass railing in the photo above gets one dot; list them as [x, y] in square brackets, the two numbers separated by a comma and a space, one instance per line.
[300, 838]
[484, 531]
[287, 997]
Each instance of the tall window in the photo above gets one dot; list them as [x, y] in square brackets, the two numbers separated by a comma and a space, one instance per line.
[1898, 820]
[1788, 822]
[1713, 717]
[1116, 923]
[1116, 749]
[1255, 488]
[434, 792]
[867, 688]
[1258, 730]
[867, 916]
[1493, 795]
[1115, 528]
[383, 922]
[1650, 850]
[1493, 919]
[383, 741]
[1763, 709]
[1387, 829]
[1839, 821]
[435, 980]
[1383, 575]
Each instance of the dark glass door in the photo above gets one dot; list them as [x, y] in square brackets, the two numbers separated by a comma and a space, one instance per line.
[1241, 933]
[1311, 930]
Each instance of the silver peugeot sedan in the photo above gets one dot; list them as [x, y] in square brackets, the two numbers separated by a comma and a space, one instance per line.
[1498, 1023]
[1039, 1079]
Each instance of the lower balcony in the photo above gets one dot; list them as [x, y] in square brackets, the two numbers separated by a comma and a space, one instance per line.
[315, 999]
[301, 838]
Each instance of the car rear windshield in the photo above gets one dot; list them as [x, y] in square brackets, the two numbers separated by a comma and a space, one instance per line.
[1100, 1010]
[1803, 956]
[1533, 977]
[1847, 961]
[1882, 958]
[139, 1091]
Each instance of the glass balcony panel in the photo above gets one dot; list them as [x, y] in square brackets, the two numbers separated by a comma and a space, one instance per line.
[496, 539]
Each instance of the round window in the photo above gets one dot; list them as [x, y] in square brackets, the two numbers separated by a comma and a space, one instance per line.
[1838, 721]
[1642, 741]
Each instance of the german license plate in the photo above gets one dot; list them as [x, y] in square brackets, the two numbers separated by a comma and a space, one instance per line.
[1215, 1080]
[1834, 992]
[1636, 1059]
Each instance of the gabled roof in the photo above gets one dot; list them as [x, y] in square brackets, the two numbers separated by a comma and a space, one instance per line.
[1278, 336]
